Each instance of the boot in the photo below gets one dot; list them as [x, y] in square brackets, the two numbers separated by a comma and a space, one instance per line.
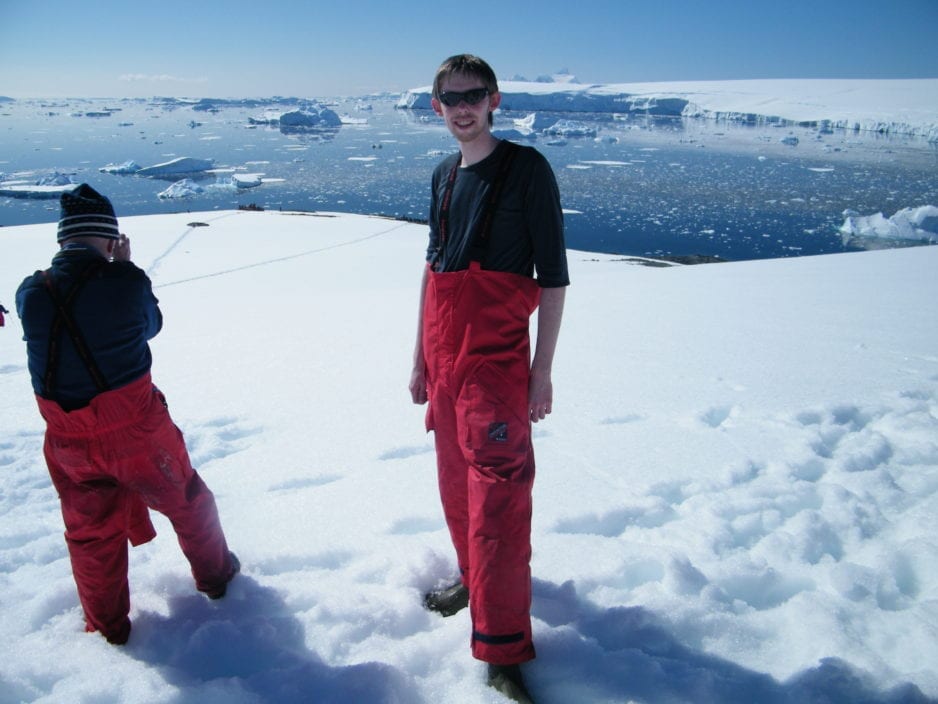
[507, 679]
[219, 592]
[448, 601]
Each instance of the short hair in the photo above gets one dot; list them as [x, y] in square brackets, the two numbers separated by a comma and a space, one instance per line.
[466, 65]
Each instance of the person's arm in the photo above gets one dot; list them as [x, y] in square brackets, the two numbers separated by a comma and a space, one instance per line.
[549, 316]
[418, 376]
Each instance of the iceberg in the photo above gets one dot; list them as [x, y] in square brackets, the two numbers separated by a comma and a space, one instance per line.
[45, 187]
[182, 189]
[571, 128]
[181, 165]
[915, 225]
[246, 180]
[535, 122]
[21, 190]
[875, 105]
[309, 118]
[55, 179]
[128, 167]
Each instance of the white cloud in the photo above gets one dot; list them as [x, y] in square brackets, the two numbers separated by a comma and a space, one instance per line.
[163, 78]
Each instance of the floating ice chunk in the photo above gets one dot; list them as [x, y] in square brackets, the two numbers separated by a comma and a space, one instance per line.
[268, 118]
[534, 122]
[791, 140]
[246, 180]
[128, 167]
[909, 224]
[181, 165]
[22, 190]
[55, 179]
[182, 189]
[571, 128]
[311, 118]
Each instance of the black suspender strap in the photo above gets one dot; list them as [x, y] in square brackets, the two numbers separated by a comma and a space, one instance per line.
[444, 206]
[480, 237]
[63, 318]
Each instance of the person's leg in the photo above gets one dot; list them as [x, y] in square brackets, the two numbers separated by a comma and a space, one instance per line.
[452, 476]
[94, 513]
[163, 475]
[494, 420]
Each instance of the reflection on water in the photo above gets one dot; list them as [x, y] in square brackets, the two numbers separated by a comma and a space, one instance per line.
[645, 186]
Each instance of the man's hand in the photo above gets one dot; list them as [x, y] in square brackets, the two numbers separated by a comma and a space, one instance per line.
[418, 384]
[121, 251]
[540, 395]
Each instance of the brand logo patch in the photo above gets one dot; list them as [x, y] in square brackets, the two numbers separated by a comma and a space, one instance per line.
[498, 432]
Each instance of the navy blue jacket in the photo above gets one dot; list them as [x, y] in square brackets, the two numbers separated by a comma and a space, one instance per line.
[116, 312]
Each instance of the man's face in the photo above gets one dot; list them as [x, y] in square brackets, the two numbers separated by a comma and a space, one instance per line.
[464, 121]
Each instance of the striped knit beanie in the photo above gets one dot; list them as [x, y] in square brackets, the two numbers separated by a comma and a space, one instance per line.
[86, 213]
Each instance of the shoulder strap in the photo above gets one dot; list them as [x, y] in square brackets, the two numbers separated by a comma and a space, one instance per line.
[63, 318]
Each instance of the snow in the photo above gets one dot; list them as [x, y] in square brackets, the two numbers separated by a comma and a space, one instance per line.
[735, 502]
[900, 106]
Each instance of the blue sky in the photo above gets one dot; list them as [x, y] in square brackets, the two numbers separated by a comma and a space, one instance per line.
[306, 48]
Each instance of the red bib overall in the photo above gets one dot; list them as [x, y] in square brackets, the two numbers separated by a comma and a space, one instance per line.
[477, 350]
[109, 462]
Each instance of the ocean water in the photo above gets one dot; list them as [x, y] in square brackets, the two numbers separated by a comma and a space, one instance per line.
[638, 186]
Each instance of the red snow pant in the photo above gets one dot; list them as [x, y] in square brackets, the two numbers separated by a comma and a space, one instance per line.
[477, 350]
[109, 462]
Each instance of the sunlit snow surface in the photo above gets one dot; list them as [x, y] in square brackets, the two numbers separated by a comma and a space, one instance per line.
[736, 496]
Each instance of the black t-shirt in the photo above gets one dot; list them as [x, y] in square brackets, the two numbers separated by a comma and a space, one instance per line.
[527, 227]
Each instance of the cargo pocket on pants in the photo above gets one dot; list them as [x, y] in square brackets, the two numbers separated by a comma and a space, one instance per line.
[497, 433]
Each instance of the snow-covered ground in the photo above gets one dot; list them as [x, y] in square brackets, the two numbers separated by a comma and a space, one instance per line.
[736, 497]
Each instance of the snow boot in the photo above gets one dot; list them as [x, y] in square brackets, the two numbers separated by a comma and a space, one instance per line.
[507, 679]
[219, 592]
[448, 601]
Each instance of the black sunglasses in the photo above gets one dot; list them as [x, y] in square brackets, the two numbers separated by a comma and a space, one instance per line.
[452, 98]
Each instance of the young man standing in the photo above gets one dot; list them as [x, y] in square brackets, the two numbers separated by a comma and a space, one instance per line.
[111, 447]
[495, 219]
